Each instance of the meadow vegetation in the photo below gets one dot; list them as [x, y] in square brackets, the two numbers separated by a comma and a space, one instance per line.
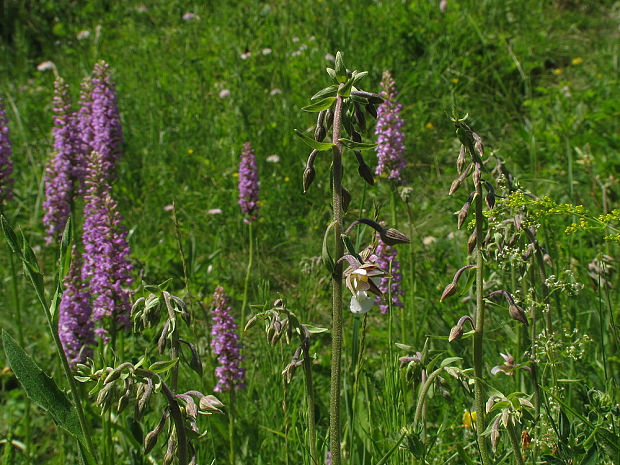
[496, 339]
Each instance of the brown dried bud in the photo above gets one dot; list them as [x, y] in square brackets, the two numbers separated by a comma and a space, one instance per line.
[450, 290]
[372, 110]
[455, 333]
[517, 313]
[346, 199]
[455, 185]
[471, 242]
[391, 236]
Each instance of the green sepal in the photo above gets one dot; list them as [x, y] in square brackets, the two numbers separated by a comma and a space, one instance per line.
[320, 146]
[55, 305]
[357, 77]
[321, 105]
[356, 145]
[42, 389]
[350, 247]
[326, 92]
[341, 69]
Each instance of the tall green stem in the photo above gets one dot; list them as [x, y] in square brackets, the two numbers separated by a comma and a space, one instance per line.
[514, 441]
[231, 436]
[479, 391]
[314, 459]
[247, 275]
[334, 398]
[412, 279]
[175, 345]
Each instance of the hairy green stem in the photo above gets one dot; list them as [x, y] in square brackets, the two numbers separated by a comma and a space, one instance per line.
[175, 345]
[314, 459]
[247, 276]
[231, 429]
[334, 394]
[514, 441]
[422, 397]
[479, 391]
[412, 280]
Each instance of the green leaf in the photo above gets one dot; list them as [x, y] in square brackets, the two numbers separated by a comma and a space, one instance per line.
[350, 247]
[448, 361]
[320, 146]
[326, 92]
[321, 105]
[590, 457]
[332, 73]
[327, 259]
[162, 366]
[345, 90]
[55, 305]
[356, 145]
[40, 388]
[357, 77]
[341, 70]
[10, 236]
[316, 329]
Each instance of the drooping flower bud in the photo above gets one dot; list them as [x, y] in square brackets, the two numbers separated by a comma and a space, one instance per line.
[462, 216]
[359, 117]
[455, 333]
[320, 132]
[363, 169]
[346, 199]
[460, 161]
[371, 109]
[471, 242]
[517, 313]
[450, 290]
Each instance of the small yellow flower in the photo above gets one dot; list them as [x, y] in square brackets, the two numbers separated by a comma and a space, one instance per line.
[287, 179]
[190, 151]
[235, 175]
[430, 126]
[577, 61]
[469, 418]
[599, 75]
[455, 80]
[557, 71]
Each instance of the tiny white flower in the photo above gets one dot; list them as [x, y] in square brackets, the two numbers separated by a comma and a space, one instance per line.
[214, 211]
[83, 35]
[46, 65]
[273, 158]
[224, 93]
[266, 51]
[275, 91]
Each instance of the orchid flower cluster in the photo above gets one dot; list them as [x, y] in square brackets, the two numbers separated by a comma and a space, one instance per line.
[87, 146]
[248, 184]
[389, 131]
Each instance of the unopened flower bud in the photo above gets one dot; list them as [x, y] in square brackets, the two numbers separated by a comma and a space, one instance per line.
[329, 118]
[460, 161]
[391, 236]
[455, 185]
[346, 199]
[150, 440]
[547, 259]
[490, 199]
[163, 338]
[476, 176]
[517, 313]
[372, 110]
[355, 136]
[455, 333]
[363, 169]
[471, 242]
[450, 290]
[309, 175]
[360, 119]
[372, 98]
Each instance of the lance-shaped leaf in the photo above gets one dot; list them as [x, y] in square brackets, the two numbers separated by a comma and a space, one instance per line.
[357, 145]
[41, 388]
[321, 105]
[341, 70]
[345, 91]
[320, 146]
[326, 92]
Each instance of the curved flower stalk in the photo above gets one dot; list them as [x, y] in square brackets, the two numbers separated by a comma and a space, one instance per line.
[75, 327]
[6, 164]
[390, 137]
[106, 266]
[65, 169]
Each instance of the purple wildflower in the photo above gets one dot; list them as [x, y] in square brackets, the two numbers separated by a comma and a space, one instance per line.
[106, 256]
[64, 171]
[390, 137]
[386, 254]
[6, 165]
[248, 183]
[328, 459]
[75, 327]
[99, 120]
[226, 345]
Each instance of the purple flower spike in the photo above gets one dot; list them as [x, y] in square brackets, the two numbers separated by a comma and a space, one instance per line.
[75, 327]
[248, 183]
[390, 137]
[100, 121]
[65, 169]
[106, 257]
[386, 254]
[226, 345]
[6, 165]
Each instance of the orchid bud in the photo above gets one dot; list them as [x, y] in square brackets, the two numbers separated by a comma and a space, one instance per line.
[372, 110]
[346, 199]
[517, 313]
[309, 175]
[360, 119]
[455, 333]
[391, 236]
[355, 136]
[471, 242]
[329, 118]
[372, 98]
[460, 161]
[363, 169]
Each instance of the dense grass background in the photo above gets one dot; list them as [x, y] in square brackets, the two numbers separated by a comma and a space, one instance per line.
[539, 80]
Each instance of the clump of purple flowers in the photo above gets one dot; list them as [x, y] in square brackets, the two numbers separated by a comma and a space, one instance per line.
[390, 136]
[248, 183]
[65, 169]
[386, 255]
[75, 327]
[226, 345]
[106, 252]
[99, 120]
[6, 165]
